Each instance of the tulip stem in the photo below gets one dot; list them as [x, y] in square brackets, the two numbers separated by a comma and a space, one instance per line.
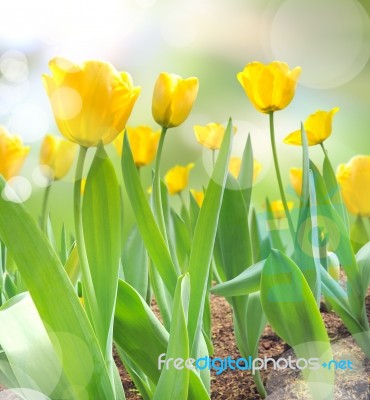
[278, 175]
[157, 197]
[213, 158]
[323, 148]
[45, 203]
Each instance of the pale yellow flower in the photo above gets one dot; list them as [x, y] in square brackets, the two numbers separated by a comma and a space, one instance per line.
[173, 99]
[236, 163]
[318, 127]
[277, 208]
[295, 176]
[177, 178]
[269, 87]
[210, 135]
[198, 196]
[91, 102]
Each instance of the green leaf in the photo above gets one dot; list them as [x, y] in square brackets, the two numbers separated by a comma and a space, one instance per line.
[152, 237]
[173, 383]
[245, 178]
[292, 312]
[101, 217]
[143, 339]
[333, 189]
[204, 238]
[233, 241]
[135, 262]
[39, 367]
[56, 302]
[273, 230]
[72, 265]
[359, 235]
[245, 283]
[363, 261]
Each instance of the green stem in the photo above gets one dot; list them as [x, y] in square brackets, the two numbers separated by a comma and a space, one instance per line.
[259, 384]
[213, 158]
[88, 286]
[157, 198]
[45, 204]
[278, 175]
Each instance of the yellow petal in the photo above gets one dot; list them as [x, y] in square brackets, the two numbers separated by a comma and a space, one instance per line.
[295, 176]
[269, 87]
[198, 196]
[91, 102]
[177, 178]
[354, 181]
[277, 208]
[12, 154]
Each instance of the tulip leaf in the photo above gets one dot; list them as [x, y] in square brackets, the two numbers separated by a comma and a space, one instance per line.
[147, 225]
[101, 217]
[246, 173]
[359, 235]
[173, 383]
[38, 368]
[56, 301]
[142, 338]
[246, 282]
[204, 238]
[363, 260]
[72, 266]
[135, 262]
[273, 230]
[292, 311]
[232, 239]
[334, 191]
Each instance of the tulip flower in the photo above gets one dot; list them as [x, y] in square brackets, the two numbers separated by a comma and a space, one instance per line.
[354, 181]
[269, 87]
[198, 196]
[277, 208]
[236, 163]
[318, 127]
[143, 142]
[210, 135]
[91, 102]
[295, 175]
[173, 99]
[12, 154]
[57, 154]
[177, 178]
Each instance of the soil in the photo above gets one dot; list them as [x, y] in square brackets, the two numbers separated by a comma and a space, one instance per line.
[280, 385]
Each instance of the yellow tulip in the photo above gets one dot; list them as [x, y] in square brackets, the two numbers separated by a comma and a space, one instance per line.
[354, 181]
[277, 208]
[58, 154]
[210, 135]
[269, 87]
[236, 163]
[177, 178]
[173, 99]
[91, 102]
[318, 127]
[12, 154]
[296, 175]
[143, 142]
[198, 196]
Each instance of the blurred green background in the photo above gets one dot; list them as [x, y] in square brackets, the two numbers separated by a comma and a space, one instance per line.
[210, 39]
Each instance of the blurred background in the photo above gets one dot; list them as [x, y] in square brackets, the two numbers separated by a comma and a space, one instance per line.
[210, 39]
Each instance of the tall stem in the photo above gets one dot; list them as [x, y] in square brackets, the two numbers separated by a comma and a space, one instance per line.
[278, 175]
[45, 204]
[157, 198]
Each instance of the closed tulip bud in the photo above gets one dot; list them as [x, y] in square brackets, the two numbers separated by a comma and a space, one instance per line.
[91, 102]
[236, 163]
[269, 87]
[12, 154]
[296, 175]
[354, 181]
[58, 155]
[173, 99]
[318, 127]
[143, 142]
[177, 178]
[277, 208]
[210, 135]
[198, 196]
